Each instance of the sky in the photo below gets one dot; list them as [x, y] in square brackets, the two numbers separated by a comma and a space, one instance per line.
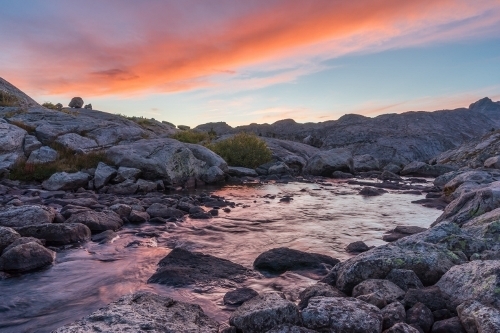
[196, 61]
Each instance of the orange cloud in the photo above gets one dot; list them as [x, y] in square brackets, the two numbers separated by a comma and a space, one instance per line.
[171, 56]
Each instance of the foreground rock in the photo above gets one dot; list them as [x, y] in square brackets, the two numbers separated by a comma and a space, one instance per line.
[318, 289]
[182, 268]
[25, 258]
[58, 233]
[264, 312]
[7, 237]
[17, 217]
[332, 314]
[97, 221]
[476, 317]
[239, 296]
[283, 259]
[63, 181]
[145, 311]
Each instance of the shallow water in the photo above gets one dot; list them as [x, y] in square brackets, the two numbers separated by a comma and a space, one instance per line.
[321, 218]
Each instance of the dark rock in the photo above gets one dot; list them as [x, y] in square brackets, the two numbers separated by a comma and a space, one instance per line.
[182, 268]
[201, 216]
[76, 102]
[58, 233]
[357, 247]
[402, 328]
[88, 106]
[404, 279]
[159, 210]
[145, 312]
[393, 313]
[333, 314]
[451, 325]
[121, 209]
[264, 312]
[342, 175]
[104, 237]
[442, 314]
[421, 169]
[290, 329]
[420, 316]
[476, 317]
[318, 289]
[431, 297]
[26, 257]
[24, 240]
[239, 296]
[324, 163]
[363, 163]
[7, 237]
[136, 216]
[280, 260]
[384, 289]
[371, 192]
[97, 221]
[242, 172]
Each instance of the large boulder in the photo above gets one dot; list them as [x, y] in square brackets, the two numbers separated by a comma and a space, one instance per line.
[324, 163]
[66, 181]
[145, 311]
[165, 159]
[43, 155]
[363, 163]
[7, 237]
[476, 280]
[264, 312]
[21, 216]
[57, 233]
[349, 315]
[479, 318]
[97, 221]
[183, 268]
[283, 259]
[76, 102]
[26, 257]
[76, 142]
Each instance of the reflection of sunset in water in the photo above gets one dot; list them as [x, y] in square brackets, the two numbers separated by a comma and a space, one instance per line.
[320, 218]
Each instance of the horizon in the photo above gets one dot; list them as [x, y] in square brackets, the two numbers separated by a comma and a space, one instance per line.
[259, 62]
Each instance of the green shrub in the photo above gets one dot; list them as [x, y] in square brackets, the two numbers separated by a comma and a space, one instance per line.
[243, 150]
[67, 161]
[7, 99]
[191, 136]
[49, 105]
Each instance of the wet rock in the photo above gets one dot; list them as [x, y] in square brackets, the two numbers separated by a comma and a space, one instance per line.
[75, 142]
[431, 297]
[103, 174]
[393, 313]
[478, 318]
[136, 216]
[318, 289]
[371, 192]
[357, 247]
[26, 257]
[392, 168]
[104, 237]
[160, 210]
[242, 172]
[280, 260]
[404, 279]
[145, 186]
[121, 209]
[421, 169]
[401, 232]
[342, 315]
[421, 317]
[341, 175]
[213, 175]
[58, 233]
[24, 240]
[76, 102]
[384, 289]
[476, 280]
[279, 168]
[402, 328]
[97, 221]
[363, 163]
[388, 175]
[451, 325]
[27, 215]
[264, 312]
[239, 296]
[475, 176]
[126, 188]
[7, 237]
[42, 155]
[324, 163]
[182, 268]
[145, 311]
[492, 162]
[31, 144]
[201, 216]
[66, 181]
[290, 329]
[125, 173]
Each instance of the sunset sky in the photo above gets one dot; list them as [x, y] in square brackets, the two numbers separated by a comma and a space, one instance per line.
[197, 61]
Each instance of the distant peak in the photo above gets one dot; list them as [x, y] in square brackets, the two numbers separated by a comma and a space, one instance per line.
[285, 122]
[481, 104]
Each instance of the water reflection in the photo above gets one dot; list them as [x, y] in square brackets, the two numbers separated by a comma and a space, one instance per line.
[320, 218]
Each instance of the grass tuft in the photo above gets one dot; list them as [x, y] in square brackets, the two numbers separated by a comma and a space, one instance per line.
[192, 136]
[7, 99]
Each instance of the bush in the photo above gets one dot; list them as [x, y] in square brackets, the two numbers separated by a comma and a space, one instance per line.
[7, 99]
[67, 161]
[49, 105]
[191, 136]
[243, 150]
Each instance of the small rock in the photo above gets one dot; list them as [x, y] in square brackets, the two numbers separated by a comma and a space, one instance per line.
[136, 216]
[384, 288]
[58, 233]
[402, 328]
[357, 247]
[42, 155]
[239, 296]
[318, 289]
[66, 181]
[97, 221]
[420, 316]
[429, 296]
[371, 192]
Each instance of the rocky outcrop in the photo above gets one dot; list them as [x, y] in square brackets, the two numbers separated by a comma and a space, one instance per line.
[76, 102]
[324, 163]
[145, 311]
[364, 163]
[11, 145]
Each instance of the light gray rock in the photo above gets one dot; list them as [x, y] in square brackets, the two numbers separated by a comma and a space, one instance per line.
[125, 173]
[76, 102]
[479, 318]
[57, 233]
[492, 162]
[324, 163]
[145, 311]
[11, 145]
[264, 312]
[103, 174]
[31, 143]
[475, 176]
[384, 288]
[66, 181]
[345, 314]
[206, 155]
[43, 155]
[476, 280]
[22, 216]
[7, 237]
[363, 163]
[26, 257]
[97, 221]
[213, 175]
[241, 172]
[76, 142]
